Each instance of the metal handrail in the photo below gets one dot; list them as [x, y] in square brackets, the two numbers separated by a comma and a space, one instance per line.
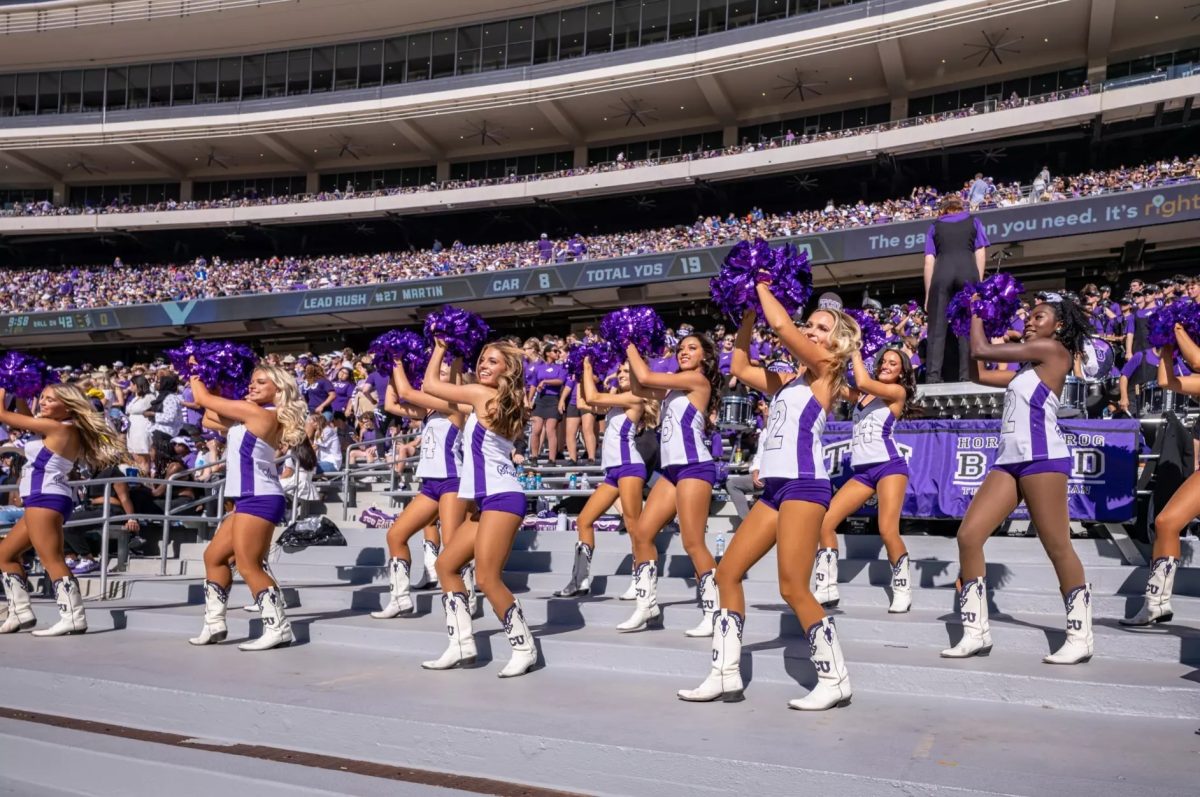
[349, 474]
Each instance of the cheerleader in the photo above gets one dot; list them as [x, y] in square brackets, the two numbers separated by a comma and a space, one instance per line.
[489, 479]
[1184, 505]
[796, 493]
[69, 430]
[272, 414]
[438, 469]
[624, 470]
[879, 469]
[1032, 462]
[689, 398]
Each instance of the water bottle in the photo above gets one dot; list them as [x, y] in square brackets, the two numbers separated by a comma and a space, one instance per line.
[586, 483]
[720, 545]
[537, 481]
[572, 481]
[561, 523]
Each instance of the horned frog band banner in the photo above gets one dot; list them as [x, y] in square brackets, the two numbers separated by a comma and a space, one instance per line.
[948, 461]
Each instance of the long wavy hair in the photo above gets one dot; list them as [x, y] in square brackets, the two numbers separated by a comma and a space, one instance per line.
[651, 414]
[710, 366]
[290, 411]
[908, 381]
[506, 411]
[1076, 329]
[844, 339]
[100, 445]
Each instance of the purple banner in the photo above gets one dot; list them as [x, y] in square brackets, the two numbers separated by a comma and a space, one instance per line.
[948, 461]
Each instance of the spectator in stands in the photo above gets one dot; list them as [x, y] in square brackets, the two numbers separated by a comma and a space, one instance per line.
[138, 436]
[166, 410]
[955, 254]
[317, 391]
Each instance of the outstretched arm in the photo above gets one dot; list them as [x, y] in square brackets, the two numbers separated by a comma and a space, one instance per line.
[810, 354]
[259, 420]
[16, 420]
[752, 376]
[408, 394]
[686, 381]
[594, 398]
[1167, 378]
[434, 385]
[864, 382]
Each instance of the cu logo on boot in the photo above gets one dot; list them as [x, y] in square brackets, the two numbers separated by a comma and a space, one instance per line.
[901, 582]
[450, 630]
[968, 617]
[1074, 625]
[707, 604]
[519, 640]
[1152, 589]
[641, 593]
[821, 666]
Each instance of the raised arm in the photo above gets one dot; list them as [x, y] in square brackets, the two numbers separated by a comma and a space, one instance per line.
[1187, 348]
[16, 420]
[865, 383]
[639, 369]
[259, 420]
[408, 394]
[810, 354]
[594, 398]
[1166, 373]
[752, 376]
[393, 406]
[472, 395]
[1035, 351]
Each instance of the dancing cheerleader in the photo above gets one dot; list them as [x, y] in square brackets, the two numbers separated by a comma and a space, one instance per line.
[488, 479]
[1032, 462]
[796, 493]
[879, 469]
[624, 470]
[272, 414]
[438, 469]
[69, 431]
[1184, 505]
[689, 398]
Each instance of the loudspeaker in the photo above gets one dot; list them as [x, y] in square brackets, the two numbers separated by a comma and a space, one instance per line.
[633, 293]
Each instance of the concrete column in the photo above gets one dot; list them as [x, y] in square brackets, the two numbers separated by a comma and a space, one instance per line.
[186, 190]
[443, 171]
[312, 182]
[59, 193]
[581, 161]
[729, 136]
[1097, 73]
[899, 108]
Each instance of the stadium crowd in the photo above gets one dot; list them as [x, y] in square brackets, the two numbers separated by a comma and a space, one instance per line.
[51, 289]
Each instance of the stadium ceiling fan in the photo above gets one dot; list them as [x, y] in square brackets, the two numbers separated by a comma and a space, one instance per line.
[990, 155]
[346, 146]
[84, 165]
[1195, 16]
[633, 111]
[485, 132]
[213, 159]
[796, 84]
[993, 44]
[642, 202]
[805, 182]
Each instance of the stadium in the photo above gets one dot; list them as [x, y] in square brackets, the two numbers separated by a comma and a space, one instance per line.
[976, 222]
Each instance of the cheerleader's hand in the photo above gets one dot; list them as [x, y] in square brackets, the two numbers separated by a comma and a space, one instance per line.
[3, 396]
[764, 276]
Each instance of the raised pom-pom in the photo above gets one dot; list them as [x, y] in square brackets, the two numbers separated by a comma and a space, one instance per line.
[785, 269]
[604, 357]
[221, 365]
[997, 305]
[24, 375]
[639, 325]
[1162, 323]
[463, 331]
[409, 348]
[873, 336]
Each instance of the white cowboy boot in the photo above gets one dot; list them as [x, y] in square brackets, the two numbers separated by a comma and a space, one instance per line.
[216, 599]
[973, 610]
[70, 610]
[901, 587]
[646, 611]
[429, 579]
[401, 601]
[20, 608]
[461, 650]
[581, 573]
[524, 655]
[825, 576]
[630, 593]
[833, 683]
[1078, 647]
[468, 577]
[709, 600]
[724, 681]
[277, 631]
[1157, 606]
[266, 566]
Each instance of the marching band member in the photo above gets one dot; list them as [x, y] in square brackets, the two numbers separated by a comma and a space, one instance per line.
[624, 470]
[438, 469]
[69, 430]
[879, 468]
[489, 479]
[1032, 462]
[271, 414]
[689, 398]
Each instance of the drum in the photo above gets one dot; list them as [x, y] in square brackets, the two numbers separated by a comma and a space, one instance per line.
[1157, 400]
[736, 413]
[1074, 396]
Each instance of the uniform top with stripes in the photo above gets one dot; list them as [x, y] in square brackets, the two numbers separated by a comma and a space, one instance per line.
[617, 447]
[873, 439]
[441, 449]
[487, 466]
[45, 472]
[793, 447]
[681, 433]
[1029, 430]
[250, 469]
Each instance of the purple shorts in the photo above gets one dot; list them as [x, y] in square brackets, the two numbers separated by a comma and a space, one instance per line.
[271, 508]
[704, 471]
[1019, 470]
[59, 503]
[871, 475]
[512, 503]
[814, 491]
[614, 474]
[434, 489]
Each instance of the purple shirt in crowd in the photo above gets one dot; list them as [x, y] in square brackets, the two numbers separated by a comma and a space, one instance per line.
[342, 393]
[981, 239]
[545, 371]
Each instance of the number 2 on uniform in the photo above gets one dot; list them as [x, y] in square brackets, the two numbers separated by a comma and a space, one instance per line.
[778, 416]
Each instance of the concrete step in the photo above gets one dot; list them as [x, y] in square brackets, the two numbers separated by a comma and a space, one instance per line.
[1111, 686]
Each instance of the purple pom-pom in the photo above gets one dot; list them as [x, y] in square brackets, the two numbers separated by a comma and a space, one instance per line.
[873, 336]
[463, 331]
[639, 325]
[409, 348]
[997, 305]
[733, 289]
[221, 365]
[604, 357]
[24, 375]
[1162, 323]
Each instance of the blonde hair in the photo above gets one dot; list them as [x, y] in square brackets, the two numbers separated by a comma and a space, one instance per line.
[844, 339]
[506, 411]
[650, 415]
[290, 411]
[100, 445]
